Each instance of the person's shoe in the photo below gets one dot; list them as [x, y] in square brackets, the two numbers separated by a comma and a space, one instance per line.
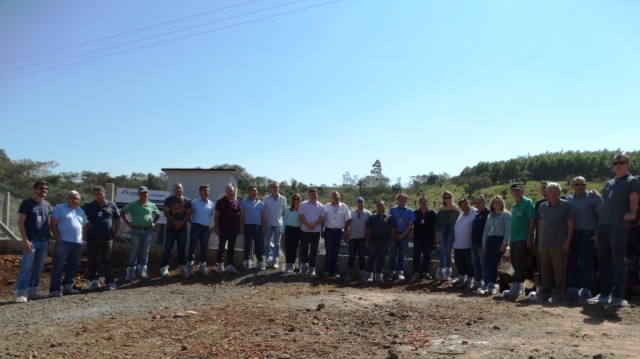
[460, 280]
[190, 268]
[415, 276]
[131, 274]
[203, 268]
[246, 264]
[379, 278]
[514, 291]
[368, 277]
[617, 303]
[269, 261]
[219, 267]
[231, 269]
[164, 271]
[312, 272]
[496, 289]
[143, 272]
[347, 277]
[260, 265]
[21, 299]
[361, 274]
[599, 299]
[55, 294]
[184, 272]
[304, 268]
[583, 295]
[426, 275]
[400, 275]
[468, 283]
[477, 284]
[94, 284]
[326, 274]
[572, 294]
[440, 274]
[554, 300]
[35, 295]
[69, 290]
[274, 264]
[112, 286]
[447, 273]
[335, 275]
[538, 300]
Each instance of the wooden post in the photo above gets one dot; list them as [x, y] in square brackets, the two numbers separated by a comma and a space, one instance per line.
[6, 209]
[111, 192]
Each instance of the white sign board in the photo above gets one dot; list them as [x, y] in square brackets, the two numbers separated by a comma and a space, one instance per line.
[124, 196]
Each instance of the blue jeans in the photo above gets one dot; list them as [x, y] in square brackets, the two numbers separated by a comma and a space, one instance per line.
[612, 260]
[356, 248]
[140, 244]
[64, 253]
[580, 260]
[377, 254]
[199, 235]
[422, 256]
[271, 251]
[253, 232]
[31, 267]
[492, 258]
[172, 236]
[446, 237]
[397, 255]
[332, 238]
[477, 261]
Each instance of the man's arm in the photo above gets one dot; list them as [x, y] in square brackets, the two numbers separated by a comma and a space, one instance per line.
[54, 228]
[345, 234]
[532, 225]
[567, 244]
[123, 215]
[407, 230]
[216, 226]
[27, 247]
[241, 221]
[633, 207]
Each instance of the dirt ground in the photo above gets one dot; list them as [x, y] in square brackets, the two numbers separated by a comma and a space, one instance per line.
[274, 315]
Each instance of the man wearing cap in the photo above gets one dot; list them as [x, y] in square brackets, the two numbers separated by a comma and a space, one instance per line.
[337, 215]
[620, 206]
[523, 216]
[354, 235]
[177, 211]
[144, 215]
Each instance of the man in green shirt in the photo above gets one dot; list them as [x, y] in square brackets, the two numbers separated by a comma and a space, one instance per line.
[522, 223]
[144, 215]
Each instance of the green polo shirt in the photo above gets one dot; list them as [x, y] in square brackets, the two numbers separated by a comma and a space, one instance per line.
[141, 216]
[521, 214]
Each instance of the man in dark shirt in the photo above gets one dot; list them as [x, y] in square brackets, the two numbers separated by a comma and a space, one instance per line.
[377, 236]
[477, 230]
[177, 210]
[102, 230]
[424, 235]
[227, 224]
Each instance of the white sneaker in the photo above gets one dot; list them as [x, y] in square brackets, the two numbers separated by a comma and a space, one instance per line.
[203, 268]
[440, 274]
[111, 286]
[274, 264]
[261, 266]
[426, 275]
[288, 268]
[599, 299]
[246, 264]
[447, 273]
[164, 271]
[94, 284]
[190, 268]
[312, 272]
[21, 299]
[617, 302]
[143, 272]
[231, 269]
[219, 267]
[400, 275]
[477, 285]
[368, 277]
[184, 272]
[304, 268]
[460, 280]
[131, 274]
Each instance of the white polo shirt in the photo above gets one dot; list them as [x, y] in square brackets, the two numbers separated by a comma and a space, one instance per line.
[336, 216]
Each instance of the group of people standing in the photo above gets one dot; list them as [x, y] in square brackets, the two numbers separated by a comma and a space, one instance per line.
[561, 232]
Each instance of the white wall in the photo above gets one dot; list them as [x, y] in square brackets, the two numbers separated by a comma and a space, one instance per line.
[192, 180]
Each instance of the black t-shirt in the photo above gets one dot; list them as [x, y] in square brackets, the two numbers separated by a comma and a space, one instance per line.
[477, 226]
[101, 219]
[424, 228]
[177, 208]
[36, 222]
[380, 227]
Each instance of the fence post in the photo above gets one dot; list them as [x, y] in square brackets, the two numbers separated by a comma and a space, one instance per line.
[7, 208]
[111, 192]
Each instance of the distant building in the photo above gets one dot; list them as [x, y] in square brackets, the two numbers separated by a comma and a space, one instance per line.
[193, 178]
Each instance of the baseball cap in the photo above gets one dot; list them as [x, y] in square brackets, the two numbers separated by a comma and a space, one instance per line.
[516, 186]
[143, 189]
[359, 199]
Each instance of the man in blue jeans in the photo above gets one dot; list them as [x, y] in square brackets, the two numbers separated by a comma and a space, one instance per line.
[202, 213]
[68, 224]
[586, 209]
[403, 217]
[620, 205]
[377, 236]
[144, 215]
[177, 211]
[33, 223]
[337, 215]
[252, 221]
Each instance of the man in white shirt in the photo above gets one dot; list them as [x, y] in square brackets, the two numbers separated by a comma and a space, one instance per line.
[463, 243]
[275, 205]
[337, 215]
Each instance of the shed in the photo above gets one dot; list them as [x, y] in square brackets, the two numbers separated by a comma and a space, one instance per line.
[193, 178]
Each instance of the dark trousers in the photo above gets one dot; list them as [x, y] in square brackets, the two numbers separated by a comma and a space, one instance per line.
[309, 247]
[377, 254]
[462, 257]
[253, 235]
[332, 239]
[228, 239]
[422, 256]
[291, 242]
[171, 237]
[356, 248]
[518, 252]
[102, 248]
[492, 258]
[199, 237]
[612, 260]
[580, 260]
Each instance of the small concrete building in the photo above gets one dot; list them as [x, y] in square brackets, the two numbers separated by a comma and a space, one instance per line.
[193, 178]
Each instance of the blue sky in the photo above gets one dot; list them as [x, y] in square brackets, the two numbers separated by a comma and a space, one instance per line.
[421, 85]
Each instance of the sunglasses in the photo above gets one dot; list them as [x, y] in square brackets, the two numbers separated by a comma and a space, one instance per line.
[619, 163]
[43, 188]
[447, 197]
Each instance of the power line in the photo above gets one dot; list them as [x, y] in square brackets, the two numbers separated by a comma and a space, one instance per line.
[172, 40]
[123, 33]
[146, 38]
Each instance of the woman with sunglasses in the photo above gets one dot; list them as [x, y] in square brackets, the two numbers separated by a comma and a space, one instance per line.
[291, 232]
[446, 219]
